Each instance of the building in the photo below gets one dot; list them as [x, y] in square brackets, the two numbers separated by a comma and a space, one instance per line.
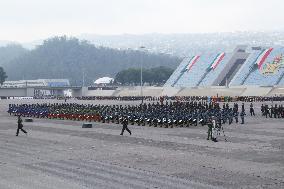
[37, 83]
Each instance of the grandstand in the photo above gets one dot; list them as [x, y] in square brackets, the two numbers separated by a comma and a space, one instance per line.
[245, 66]
[193, 71]
[263, 67]
[247, 71]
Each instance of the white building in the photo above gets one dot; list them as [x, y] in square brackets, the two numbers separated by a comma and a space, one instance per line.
[37, 83]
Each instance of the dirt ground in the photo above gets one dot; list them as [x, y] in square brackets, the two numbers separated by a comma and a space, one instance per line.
[61, 154]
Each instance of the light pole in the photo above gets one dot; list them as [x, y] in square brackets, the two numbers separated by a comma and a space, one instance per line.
[83, 79]
[141, 73]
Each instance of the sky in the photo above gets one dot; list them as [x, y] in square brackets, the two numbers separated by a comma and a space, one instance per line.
[28, 20]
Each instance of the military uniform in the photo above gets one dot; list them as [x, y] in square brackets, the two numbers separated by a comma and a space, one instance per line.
[242, 115]
[20, 126]
[210, 126]
[124, 126]
[214, 131]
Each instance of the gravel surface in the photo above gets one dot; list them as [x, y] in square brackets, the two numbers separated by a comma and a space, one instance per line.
[61, 154]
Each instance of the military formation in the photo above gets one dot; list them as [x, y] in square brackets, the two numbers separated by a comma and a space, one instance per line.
[272, 111]
[156, 114]
[163, 113]
[216, 98]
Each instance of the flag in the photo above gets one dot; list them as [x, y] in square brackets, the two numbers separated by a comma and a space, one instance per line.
[217, 60]
[193, 60]
[262, 57]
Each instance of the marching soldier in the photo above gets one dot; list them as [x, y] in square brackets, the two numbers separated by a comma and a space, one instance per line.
[214, 130]
[243, 107]
[266, 110]
[262, 110]
[275, 111]
[231, 115]
[210, 126]
[242, 115]
[251, 110]
[236, 115]
[124, 125]
[271, 111]
[20, 126]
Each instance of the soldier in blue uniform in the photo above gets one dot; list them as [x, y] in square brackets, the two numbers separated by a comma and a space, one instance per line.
[236, 115]
[242, 115]
[251, 110]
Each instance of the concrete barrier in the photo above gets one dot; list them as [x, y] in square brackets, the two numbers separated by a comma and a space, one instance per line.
[276, 91]
[170, 91]
[210, 91]
[256, 91]
[87, 125]
[29, 120]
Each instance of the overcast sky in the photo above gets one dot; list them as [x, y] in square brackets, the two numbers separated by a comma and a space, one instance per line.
[27, 20]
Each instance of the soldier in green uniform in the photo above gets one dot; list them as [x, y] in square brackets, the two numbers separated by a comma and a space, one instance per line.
[210, 125]
[124, 124]
[20, 126]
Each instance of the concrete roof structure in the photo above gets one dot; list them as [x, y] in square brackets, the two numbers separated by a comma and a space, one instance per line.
[104, 80]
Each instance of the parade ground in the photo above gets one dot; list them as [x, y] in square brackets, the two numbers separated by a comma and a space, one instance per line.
[61, 154]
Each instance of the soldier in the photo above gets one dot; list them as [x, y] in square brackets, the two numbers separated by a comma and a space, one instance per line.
[266, 110]
[271, 111]
[243, 107]
[210, 125]
[230, 115]
[251, 110]
[20, 126]
[124, 124]
[262, 110]
[242, 115]
[275, 111]
[214, 130]
[236, 115]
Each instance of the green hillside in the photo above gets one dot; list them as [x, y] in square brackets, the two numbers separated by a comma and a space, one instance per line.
[63, 57]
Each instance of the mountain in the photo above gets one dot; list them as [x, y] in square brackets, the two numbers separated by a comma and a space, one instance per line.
[181, 45]
[5, 43]
[32, 44]
[188, 44]
[62, 57]
[10, 52]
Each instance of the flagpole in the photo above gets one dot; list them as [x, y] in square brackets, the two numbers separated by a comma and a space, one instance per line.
[141, 74]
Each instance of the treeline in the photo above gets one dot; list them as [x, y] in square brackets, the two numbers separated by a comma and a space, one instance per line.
[10, 52]
[152, 76]
[62, 57]
[3, 76]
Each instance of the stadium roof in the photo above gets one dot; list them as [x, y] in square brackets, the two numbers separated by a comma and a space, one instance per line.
[104, 80]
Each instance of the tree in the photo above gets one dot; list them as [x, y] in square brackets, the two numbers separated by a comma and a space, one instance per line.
[157, 75]
[11, 52]
[3, 76]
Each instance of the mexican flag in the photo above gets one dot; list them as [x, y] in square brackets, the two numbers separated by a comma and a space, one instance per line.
[262, 57]
[217, 60]
[193, 60]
